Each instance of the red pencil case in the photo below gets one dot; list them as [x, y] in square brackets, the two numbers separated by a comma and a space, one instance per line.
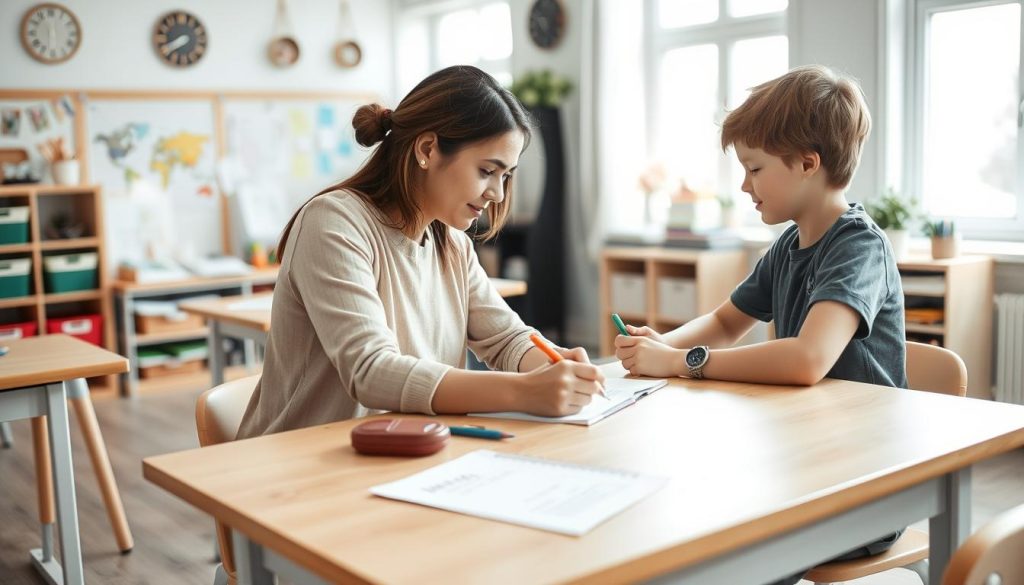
[400, 436]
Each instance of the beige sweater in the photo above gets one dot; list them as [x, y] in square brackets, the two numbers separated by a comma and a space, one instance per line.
[366, 319]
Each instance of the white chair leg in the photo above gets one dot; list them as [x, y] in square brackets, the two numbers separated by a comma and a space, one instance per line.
[221, 576]
[921, 568]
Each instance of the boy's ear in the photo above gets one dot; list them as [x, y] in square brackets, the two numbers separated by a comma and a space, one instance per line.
[810, 162]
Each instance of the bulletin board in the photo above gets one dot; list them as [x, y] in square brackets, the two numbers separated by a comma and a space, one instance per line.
[171, 164]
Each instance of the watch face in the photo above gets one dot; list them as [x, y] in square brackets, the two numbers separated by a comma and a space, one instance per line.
[547, 22]
[180, 39]
[50, 33]
[696, 356]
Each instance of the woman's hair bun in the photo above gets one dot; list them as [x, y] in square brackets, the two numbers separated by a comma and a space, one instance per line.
[371, 123]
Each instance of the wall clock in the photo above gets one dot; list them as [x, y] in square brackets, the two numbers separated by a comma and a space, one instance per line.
[50, 33]
[547, 23]
[180, 38]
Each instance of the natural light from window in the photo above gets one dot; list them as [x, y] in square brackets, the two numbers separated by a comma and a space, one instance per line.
[680, 13]
[970, 144]
[688, 103]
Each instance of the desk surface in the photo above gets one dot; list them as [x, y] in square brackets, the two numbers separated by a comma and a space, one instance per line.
[226, 308]
[258, 276]
[746, 462]
[35, 361]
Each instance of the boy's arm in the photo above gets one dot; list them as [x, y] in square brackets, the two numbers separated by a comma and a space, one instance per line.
[802, 360]
[722, 327]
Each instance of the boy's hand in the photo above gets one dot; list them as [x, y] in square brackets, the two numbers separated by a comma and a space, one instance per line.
[644, 356]
[645, 332]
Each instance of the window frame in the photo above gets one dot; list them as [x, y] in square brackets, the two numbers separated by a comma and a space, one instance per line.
[724, 33]
[917, 62]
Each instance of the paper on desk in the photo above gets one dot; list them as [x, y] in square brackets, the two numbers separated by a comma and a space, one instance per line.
[540, 493]
[257, 304]
[621, 392]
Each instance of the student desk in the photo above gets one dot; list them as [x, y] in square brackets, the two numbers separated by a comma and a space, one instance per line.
[765, 481]
[36, 378]
[247, 317]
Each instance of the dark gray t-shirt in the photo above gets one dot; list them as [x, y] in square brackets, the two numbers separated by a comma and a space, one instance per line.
[852, 264]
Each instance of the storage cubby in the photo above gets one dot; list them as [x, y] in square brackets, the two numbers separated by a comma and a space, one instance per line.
[664, 288]
[65, 301]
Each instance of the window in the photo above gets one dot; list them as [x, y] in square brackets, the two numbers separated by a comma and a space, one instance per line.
[967, 103]
[703, 57]
[433, 36]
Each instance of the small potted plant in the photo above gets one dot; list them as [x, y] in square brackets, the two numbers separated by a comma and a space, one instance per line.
[63, 164]
[893, 214]
[945, 238]
[730, 215]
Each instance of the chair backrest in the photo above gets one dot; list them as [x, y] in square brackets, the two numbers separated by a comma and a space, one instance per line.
[219, 410]
[935, 369]
[218, 414]
[992, 555]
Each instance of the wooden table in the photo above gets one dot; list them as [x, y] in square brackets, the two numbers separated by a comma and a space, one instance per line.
[765, 481]
[37, 376]
[247, 317]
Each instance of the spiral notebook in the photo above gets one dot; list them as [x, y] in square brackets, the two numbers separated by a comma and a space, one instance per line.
[621, 392]
[567, 498]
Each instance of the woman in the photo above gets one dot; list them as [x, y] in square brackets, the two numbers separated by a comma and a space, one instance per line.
[380, 291]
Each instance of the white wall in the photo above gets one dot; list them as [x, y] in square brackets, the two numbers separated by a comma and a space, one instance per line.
[117, 50]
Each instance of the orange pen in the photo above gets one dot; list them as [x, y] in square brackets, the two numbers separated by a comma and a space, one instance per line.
[553, 355]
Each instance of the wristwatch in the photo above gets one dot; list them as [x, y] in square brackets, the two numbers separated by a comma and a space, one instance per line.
[696, 359]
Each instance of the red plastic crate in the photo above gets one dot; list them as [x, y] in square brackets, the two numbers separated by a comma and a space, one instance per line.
[12, 331]
[85, 327]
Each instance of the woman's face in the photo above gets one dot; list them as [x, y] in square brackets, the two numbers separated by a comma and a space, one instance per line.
[458, 188]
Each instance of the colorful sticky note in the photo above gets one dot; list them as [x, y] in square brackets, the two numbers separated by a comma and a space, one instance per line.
[302, 166]
[325, 116]
[324, 163]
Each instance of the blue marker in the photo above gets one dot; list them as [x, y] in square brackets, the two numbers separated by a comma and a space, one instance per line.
[480, 433]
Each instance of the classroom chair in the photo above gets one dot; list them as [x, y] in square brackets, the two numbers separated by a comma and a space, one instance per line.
[992, 555]
[932, 369]
[218, 414]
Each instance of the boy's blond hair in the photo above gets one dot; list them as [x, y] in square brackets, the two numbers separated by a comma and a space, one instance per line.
[809, 109]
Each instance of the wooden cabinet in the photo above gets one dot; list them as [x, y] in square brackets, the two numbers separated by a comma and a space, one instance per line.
[664, 287]
[132, 340]
[62, 221]
[950, 303]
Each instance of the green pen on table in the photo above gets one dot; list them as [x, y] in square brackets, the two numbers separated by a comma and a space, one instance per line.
[619, 324]
[480, 433]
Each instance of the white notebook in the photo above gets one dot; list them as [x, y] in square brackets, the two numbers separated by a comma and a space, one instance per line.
[621, 393]
[540, 493]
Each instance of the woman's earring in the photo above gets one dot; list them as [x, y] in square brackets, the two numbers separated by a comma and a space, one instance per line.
[423, 163]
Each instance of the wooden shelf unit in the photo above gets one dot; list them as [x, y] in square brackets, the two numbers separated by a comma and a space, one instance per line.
[966, 299]
[84, 204]
[126, 293]
[715, 274]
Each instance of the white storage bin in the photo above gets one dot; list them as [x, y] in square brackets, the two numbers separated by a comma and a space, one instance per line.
[677, 298]
[629, 293]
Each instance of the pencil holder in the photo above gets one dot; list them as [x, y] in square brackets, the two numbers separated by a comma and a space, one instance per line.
[945, 247]
[66, 172]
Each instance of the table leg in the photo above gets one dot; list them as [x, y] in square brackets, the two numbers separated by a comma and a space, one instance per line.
[44, 485]
[78, 393]
[249, 561]
[950, 528]
[6, 438]
[59, 436]
[217, 357]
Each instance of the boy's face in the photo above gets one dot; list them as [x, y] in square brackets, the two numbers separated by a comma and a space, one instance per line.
[779, 191]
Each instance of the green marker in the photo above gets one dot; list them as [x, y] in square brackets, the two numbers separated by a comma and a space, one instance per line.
[619, 324]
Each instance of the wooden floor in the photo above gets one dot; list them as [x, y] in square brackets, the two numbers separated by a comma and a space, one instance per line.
[174, 542]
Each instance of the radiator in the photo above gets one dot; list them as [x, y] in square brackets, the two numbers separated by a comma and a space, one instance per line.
[1010, 348]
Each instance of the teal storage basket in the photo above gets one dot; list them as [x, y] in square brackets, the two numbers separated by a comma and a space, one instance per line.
[13, 225]
[70, 272]
[15, 277]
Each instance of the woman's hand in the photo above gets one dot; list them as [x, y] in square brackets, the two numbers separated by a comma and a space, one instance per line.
[644, 356]
[576, 354]
[560, 388]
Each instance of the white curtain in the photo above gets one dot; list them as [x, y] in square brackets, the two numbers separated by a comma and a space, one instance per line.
[612, 149]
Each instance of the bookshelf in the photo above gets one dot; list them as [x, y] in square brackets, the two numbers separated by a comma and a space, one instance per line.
[81, 208]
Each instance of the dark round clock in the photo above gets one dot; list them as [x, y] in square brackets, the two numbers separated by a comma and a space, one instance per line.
[547, 23]
[179, 38]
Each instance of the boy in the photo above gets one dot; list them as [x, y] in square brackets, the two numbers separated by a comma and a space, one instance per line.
[829, 282]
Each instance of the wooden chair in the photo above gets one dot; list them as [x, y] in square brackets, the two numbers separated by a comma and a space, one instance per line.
[992, 555]
[218, 414]
[932, 369]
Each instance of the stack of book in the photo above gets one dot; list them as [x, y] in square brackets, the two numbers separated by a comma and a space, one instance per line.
[696, 224]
